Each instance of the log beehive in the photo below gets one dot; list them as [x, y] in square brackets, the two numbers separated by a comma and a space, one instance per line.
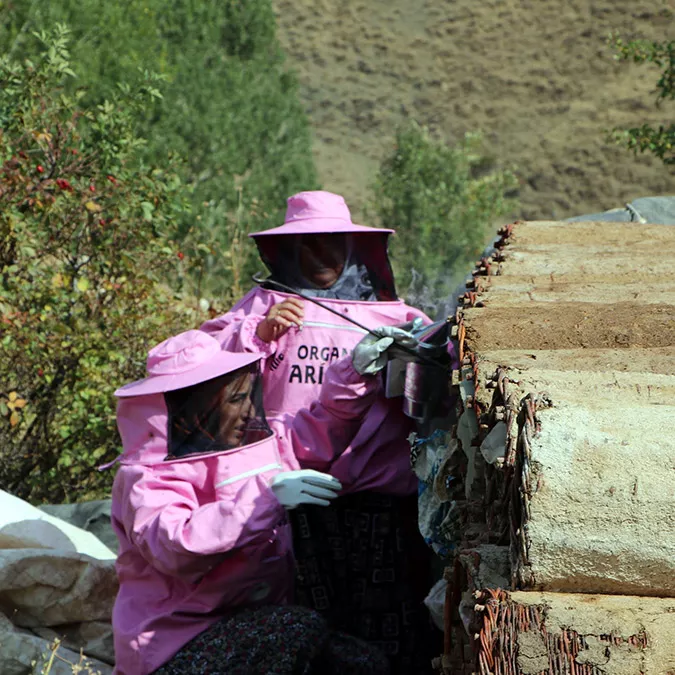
[567, 349]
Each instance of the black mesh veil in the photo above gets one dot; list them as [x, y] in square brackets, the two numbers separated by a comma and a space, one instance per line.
[365, 274]
[223, 413]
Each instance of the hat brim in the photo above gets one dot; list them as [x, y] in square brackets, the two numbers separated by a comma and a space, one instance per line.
[221, 364]
[321, 226]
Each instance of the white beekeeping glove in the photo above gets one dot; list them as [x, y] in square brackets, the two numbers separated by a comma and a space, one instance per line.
[306, 486]
[370, 355]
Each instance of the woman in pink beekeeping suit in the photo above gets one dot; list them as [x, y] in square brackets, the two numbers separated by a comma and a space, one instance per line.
[352, 564]
[200, 507]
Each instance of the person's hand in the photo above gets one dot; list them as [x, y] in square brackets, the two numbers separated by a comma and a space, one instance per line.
[280, 318]
[370, 355]
[306, 486]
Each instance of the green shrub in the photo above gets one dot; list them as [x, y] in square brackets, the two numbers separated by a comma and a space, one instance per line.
[230, 110]
[82, 248]
[443, 202]
[659, 141]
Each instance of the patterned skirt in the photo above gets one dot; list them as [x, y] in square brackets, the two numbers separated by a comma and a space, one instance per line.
[364, 566]
[275, 641]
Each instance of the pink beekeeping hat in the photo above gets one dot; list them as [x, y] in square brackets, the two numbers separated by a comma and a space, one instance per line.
[318, 212]
[183, 360]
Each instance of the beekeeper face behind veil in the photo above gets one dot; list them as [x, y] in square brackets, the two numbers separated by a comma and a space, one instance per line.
[323, 266]
[212, 404]
[320, 252]
[220, 414]
[321, 258]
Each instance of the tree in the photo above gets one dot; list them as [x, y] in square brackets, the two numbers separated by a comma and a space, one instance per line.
[442, 201]
[659, 141]
[83, 245]
[230, 110]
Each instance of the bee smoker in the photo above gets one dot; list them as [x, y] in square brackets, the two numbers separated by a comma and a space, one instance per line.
[422, 378]
[423, 385]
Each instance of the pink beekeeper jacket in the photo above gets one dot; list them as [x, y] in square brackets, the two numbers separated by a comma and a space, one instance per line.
[294, 368]
[204, 535]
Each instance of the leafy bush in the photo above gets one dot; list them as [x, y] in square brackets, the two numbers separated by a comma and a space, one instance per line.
[82, 247]
[443, 202]
[230, 109]
[659, 141]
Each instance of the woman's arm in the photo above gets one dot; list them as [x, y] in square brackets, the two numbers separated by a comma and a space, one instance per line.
[256, 322]
[321, 433]
[161, 516]
[237, 329]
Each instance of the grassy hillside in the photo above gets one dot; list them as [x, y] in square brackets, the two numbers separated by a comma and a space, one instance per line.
[535, 75]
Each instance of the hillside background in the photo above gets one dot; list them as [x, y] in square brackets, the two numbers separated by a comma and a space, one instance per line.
[536, 76]
[126, 196]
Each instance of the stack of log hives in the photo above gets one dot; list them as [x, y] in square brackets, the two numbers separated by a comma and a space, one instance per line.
[565, 558]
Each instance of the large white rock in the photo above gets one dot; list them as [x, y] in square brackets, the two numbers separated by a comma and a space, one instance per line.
[56, 581]
[24, 526]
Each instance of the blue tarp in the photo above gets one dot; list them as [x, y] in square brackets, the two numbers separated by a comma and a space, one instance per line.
[652, 210]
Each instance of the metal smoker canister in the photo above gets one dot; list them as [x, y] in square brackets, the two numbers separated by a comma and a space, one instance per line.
[422, 385]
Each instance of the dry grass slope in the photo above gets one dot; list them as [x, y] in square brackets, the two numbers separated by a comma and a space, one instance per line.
[534, 75]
